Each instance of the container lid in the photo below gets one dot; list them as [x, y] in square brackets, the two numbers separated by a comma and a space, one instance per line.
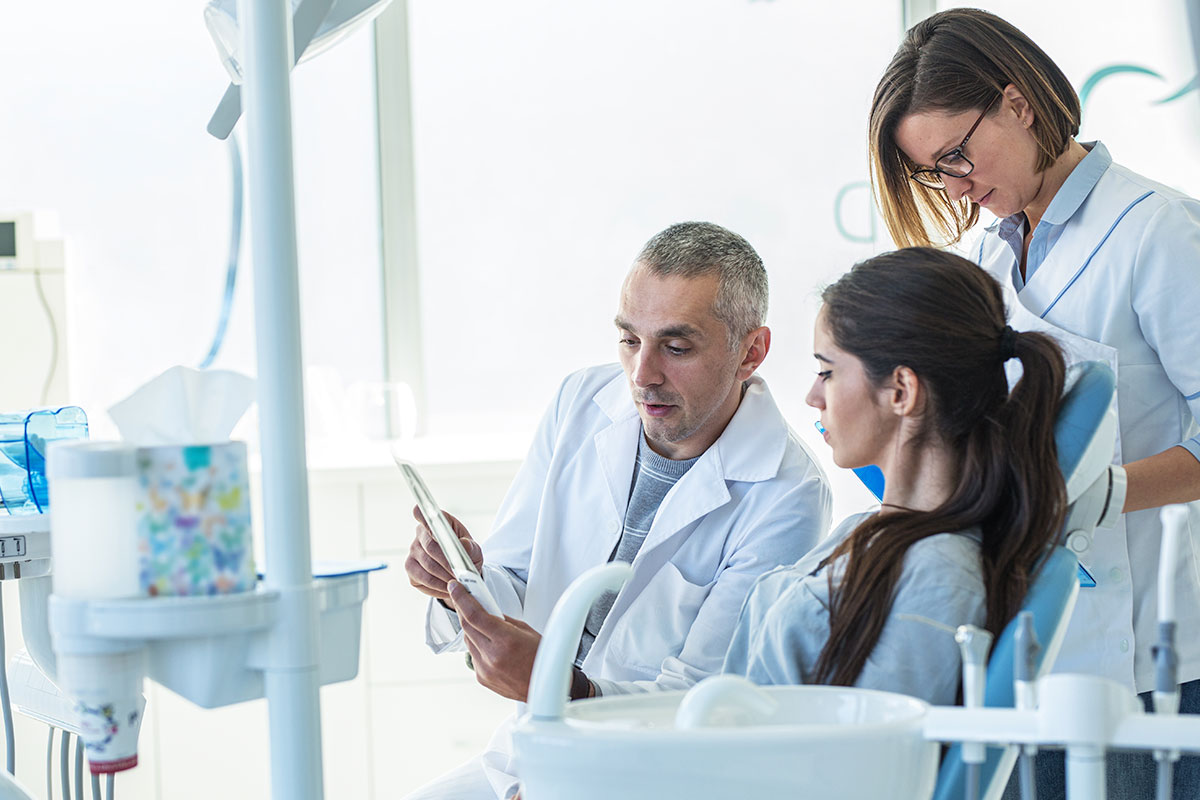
[88, 459]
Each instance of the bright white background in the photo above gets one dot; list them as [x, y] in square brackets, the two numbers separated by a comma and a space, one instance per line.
[551, 140]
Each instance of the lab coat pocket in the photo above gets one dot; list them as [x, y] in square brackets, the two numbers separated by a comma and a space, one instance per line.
[658, 620]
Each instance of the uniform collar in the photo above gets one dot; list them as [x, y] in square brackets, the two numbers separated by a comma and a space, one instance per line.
[1079, 184]
[750, 448]
[1070, 195]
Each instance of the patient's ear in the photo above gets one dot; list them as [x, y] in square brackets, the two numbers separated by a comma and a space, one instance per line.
[904, 393]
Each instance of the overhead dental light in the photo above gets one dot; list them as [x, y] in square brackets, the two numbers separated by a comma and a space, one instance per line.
[317, 25]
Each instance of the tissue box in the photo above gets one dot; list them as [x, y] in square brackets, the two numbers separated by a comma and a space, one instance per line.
[194, 520]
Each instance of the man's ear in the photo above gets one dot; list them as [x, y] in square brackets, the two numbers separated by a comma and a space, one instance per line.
[904, 393]
[754, 346]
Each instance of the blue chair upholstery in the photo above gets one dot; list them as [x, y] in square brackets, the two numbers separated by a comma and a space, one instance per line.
[1052, 596]
[1051, 599]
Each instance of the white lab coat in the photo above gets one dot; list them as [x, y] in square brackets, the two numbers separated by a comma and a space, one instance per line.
[1122, 285]
[756, 499]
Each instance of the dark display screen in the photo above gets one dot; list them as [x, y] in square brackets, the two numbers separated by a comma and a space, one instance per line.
[8, 240]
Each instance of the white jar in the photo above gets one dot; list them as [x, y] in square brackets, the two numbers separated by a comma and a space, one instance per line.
[93, 520]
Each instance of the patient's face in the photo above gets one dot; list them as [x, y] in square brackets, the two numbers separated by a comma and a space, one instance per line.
[682, 372]
[858, 426]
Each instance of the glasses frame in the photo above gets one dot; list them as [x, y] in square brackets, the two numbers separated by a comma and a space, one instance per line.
[931, 176]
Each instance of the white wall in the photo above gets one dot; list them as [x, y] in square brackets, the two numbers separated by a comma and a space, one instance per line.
[105, 107]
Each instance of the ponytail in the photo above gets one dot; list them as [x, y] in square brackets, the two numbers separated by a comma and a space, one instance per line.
[1018, 541]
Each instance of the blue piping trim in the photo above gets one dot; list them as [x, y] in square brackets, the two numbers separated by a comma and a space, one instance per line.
[1192, 397]
[1075, 277]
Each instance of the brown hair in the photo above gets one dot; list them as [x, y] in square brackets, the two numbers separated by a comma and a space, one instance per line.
[943, 317]
[952, 62]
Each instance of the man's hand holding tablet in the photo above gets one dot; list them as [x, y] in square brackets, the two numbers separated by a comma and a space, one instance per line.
[442, 550]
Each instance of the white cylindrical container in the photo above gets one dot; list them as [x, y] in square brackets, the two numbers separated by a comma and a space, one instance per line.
[93, 530]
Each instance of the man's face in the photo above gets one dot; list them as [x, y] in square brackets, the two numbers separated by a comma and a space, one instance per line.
[684, 376]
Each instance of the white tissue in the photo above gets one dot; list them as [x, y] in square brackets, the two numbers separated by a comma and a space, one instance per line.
[184, 406]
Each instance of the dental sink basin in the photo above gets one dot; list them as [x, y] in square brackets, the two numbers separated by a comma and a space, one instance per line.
[735, 740]
[724, 739]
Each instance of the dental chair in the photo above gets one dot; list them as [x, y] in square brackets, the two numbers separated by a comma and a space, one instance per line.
[1083, 435]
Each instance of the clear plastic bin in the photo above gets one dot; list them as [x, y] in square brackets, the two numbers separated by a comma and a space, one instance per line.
[24, 436]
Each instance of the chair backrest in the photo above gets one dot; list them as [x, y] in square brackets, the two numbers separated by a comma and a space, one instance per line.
[1051, 598]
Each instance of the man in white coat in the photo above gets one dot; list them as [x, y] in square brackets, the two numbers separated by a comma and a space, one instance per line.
[678, 461]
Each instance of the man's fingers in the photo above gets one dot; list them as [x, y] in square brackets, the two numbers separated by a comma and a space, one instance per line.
[431, 561]
[474, 551]
[459, 529]
[422, 580]
[470, 613]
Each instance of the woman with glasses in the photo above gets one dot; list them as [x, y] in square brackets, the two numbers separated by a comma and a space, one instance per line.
[971, 113]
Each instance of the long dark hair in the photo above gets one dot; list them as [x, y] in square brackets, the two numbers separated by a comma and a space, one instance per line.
[943, 317]
[955, 61]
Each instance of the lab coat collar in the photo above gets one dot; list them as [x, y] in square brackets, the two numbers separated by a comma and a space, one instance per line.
[752, 445]
[749, 449]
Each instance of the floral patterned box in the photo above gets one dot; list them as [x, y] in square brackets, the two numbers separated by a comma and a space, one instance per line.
[194, 520]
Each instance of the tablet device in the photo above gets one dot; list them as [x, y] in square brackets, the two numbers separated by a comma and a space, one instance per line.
[461, 565]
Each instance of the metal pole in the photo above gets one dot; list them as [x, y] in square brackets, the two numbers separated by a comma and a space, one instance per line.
[1085, 772]
[291, 677]
[398, 211]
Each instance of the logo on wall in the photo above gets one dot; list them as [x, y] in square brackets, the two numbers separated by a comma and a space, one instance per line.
[1101, 74]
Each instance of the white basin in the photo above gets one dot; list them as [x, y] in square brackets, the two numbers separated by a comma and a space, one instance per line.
[725, 739]
[816, 742]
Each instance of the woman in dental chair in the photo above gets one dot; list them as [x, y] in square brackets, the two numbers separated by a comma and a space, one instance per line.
[911, 349]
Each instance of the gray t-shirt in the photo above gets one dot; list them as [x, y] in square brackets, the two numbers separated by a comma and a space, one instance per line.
[653, 477]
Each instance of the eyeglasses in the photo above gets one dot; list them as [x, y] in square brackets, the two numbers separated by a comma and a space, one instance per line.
[955, 163]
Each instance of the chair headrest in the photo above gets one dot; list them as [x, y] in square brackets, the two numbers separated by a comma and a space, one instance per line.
[1083, 438]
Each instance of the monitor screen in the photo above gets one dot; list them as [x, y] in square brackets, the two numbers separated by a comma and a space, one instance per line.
[8, 240]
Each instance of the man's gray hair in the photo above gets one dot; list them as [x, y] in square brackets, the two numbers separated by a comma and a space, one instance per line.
[695, 249]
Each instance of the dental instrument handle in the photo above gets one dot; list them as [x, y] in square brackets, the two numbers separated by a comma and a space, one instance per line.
[1166, 659]
[1025, 654]
[974, 643]
[1174, 518]
[1025, 661]
[1025, 690]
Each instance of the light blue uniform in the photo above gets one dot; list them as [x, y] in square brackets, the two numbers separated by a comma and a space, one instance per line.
[784, 623]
